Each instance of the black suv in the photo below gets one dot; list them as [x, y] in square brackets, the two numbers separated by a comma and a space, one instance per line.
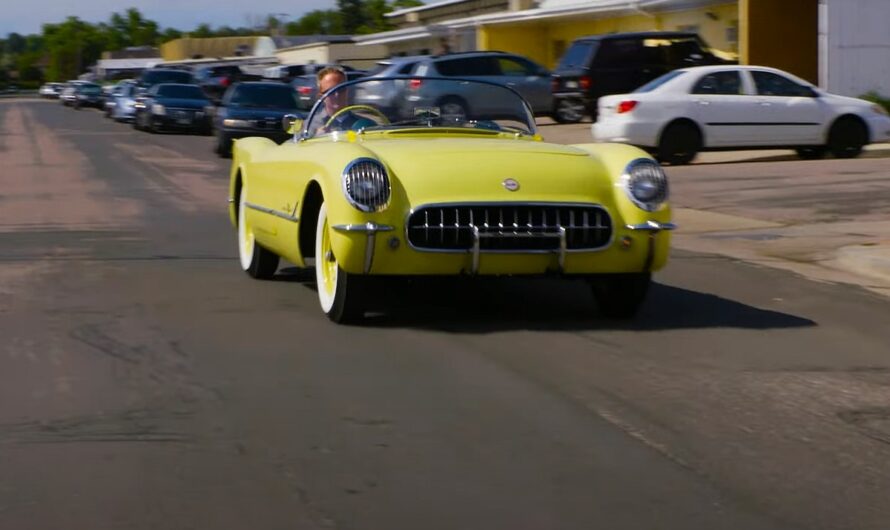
[618, 63]
[215, 80]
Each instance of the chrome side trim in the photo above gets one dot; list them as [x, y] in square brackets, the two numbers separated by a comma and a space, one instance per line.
[370, 230]
[283, 215]
[652, 226]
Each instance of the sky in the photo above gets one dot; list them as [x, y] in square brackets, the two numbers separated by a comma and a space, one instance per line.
[27, 16]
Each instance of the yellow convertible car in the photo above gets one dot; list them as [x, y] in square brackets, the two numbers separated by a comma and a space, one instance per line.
[405, 177]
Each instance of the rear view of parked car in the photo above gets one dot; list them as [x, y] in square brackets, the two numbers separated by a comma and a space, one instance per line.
[88, 95]
[51, 90]
[122, 106]
[171, 106]
[253, 109]
[386, 95]
[619, 63]
[215, 80]
[530, 80]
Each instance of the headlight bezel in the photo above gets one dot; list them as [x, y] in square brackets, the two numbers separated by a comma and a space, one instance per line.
[374, 202]
[158, 109]
[632, 175]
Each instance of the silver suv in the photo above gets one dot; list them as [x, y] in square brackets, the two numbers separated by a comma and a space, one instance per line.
[523, 75]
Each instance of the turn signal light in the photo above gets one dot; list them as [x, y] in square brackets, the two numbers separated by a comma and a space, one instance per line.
[626, 106]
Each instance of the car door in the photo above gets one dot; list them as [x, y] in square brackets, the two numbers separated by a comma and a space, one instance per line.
[721, 105]
[789, 113]
[530, 80]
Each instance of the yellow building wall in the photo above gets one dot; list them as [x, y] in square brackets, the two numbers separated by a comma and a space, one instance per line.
[545, 41]
[187, 48]
[783, 35]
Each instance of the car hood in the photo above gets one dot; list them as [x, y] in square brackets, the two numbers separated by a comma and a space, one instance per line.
[177, 103]
[468, 170]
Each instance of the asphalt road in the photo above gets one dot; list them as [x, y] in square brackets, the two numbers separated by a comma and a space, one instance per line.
[146, 382]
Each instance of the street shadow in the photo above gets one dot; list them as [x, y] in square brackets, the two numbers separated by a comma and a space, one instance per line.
[489, 305]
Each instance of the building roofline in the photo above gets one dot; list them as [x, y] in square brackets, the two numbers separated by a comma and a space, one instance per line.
[404, 11]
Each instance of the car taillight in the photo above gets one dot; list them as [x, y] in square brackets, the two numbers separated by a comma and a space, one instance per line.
[627, 106]
[304, 90]
[225, 81]
[414, 84]
[554, 84]
[585, 82]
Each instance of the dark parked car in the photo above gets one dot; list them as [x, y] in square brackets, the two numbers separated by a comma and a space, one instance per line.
[173, 106]
[619, 63]
[155, 76]
[253, 109]
[88, 95]
[215, 80]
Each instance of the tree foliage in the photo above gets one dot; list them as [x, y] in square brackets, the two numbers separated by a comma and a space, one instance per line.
[66, 49]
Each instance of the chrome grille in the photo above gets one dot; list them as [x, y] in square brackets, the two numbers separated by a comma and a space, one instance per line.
[509, 227]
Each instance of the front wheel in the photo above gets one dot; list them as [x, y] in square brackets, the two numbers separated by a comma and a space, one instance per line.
[341, 294]
[847, 137]
[256, 261]
[679, 144]
[620, 295]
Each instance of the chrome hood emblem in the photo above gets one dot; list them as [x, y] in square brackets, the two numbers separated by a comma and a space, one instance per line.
[510, 184]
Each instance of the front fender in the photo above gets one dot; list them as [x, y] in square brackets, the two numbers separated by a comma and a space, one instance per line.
[243, 153]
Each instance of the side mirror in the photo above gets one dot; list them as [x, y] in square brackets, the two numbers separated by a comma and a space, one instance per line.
[292, 124]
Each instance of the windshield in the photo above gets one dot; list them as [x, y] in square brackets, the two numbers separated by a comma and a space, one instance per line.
[181, 92]
[389, 104]
[160, 76]
[276, 96]
[90, 89]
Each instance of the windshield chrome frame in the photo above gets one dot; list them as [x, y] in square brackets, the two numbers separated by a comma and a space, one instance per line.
[304, 134]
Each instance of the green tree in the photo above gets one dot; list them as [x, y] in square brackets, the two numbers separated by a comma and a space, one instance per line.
[202, 31]
[317, 22]
[352, 15]
[15, 44]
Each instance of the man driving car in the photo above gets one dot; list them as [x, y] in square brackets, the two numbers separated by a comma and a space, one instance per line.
[327, 79]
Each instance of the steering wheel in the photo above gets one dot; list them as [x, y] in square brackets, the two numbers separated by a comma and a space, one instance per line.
[350, 108]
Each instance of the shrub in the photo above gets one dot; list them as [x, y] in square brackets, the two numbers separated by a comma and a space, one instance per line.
[877, 98]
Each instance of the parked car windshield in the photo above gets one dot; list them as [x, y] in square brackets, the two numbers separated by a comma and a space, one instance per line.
[420, 103]
[90, 89]
[577, 56]
[270, 96]
[181, 92]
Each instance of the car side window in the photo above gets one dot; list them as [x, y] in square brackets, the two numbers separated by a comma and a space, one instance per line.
[620, 53]
[513, 68]
[406, 69]
[770, 84]
[727, 83]
[468, 66]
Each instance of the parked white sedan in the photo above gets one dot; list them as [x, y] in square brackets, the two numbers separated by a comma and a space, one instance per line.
[738, 107]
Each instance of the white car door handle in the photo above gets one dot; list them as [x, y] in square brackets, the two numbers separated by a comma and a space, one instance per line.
[701, 102]
[766, 104]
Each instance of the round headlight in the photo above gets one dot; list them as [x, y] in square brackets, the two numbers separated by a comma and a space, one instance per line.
[366, 184]
[645, 183]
